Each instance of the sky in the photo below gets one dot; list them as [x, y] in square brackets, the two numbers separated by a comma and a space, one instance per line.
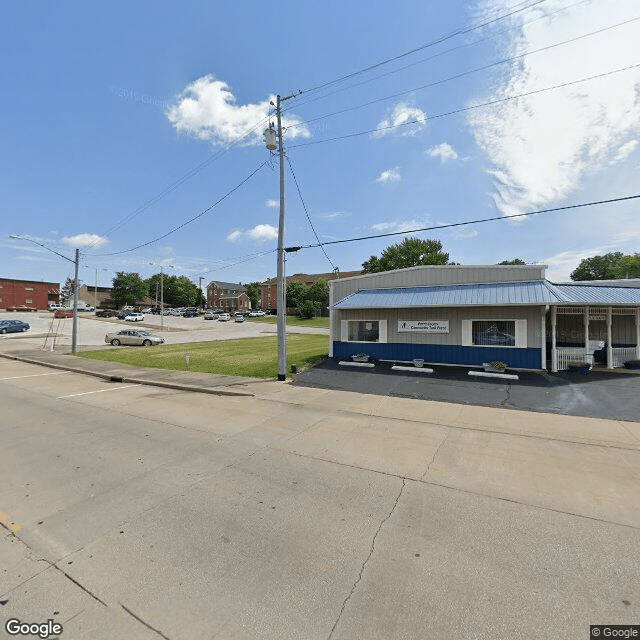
[134, 133]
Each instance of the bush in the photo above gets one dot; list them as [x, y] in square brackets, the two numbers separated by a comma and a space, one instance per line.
[306, 310]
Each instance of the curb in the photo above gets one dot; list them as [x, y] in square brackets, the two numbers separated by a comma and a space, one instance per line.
[116, 378]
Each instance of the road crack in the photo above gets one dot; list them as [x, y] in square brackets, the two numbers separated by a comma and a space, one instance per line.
[142, 622]
[364, 564]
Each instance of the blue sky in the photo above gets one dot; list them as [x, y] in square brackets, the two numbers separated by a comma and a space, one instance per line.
[123, 122]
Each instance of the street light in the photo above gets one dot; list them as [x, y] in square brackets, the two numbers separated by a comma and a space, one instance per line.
[95, 291]
[76, 262]
[170, 266]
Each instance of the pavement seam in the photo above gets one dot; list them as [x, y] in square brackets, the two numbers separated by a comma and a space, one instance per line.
[467, 491]
[364, 564]
[142, 622]
[435, 454]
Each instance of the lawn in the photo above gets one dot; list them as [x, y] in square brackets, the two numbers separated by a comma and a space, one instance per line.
[294, 321]
[249, 357]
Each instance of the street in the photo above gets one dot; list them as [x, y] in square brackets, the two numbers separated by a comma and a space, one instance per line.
[133, 511]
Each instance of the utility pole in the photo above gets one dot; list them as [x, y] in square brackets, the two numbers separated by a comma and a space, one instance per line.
[74, 335]
[281, 286]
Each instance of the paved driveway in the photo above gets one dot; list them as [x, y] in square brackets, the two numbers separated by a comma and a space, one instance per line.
[614, 395]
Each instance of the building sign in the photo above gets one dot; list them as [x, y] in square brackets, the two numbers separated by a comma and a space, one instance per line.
[423, 326]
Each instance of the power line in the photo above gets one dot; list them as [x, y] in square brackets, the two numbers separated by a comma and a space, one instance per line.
[180, 181]
[333, 266]
[433, 57]
[453, 34]
[465, 73]
[469, 222]
[184, 224]
[469, 108]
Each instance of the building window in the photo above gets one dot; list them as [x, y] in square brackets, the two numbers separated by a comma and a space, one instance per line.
[28, 301]
[364, 331]
[493, 333]
[29, 289]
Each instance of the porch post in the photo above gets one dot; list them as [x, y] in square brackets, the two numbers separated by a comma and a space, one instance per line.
[609, 347]
[543, 333]
[554, 352]
[586, 329]
[638, 333]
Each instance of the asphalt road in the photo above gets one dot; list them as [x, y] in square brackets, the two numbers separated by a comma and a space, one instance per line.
[610, 395]
[131, 511]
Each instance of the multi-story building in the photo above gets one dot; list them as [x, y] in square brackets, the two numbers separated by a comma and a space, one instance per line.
[268, 289]
[29, 294]
[228, 296]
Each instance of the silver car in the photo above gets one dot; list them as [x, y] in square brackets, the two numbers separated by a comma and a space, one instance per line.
[132, 337]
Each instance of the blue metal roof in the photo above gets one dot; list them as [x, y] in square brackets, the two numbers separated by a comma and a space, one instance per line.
[536, 292]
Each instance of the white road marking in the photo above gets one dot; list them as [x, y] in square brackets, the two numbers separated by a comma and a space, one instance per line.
[86, 393]
[36, 375]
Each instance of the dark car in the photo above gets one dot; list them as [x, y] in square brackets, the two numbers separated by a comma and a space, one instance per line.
[105, 313]
[13, 326]
[191, 313]
[122, 314]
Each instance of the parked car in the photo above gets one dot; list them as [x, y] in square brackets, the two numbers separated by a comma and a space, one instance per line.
[257, 313]
[105, 313]
[238, 317]
[13, 326]
[134, 317]
[63, 313]
[223, 317]
[86, 307]
[132, 337]
[191, 313]
[123, 313]
[211, 315]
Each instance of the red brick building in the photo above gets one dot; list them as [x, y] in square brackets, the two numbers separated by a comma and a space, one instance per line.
[29, 294]
[268, 289]
[228, 296]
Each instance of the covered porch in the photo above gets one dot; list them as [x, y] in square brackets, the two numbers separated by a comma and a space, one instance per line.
[612, 333]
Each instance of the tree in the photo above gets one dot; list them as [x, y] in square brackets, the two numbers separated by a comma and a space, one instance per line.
[178, 291]
[128, 288]
[66, 292]
[319, 293]
[514, 261]
[628, 267]
[306, 310]
[297, 293]
[253, 291]
[411, 252]
[604, 267]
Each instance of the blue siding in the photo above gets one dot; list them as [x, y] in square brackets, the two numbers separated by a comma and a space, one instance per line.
[441, 353]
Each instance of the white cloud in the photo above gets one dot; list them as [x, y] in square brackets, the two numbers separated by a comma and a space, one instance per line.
[444, 151]
[390, 175]
[334, 215]
[543, 147]
[85, 240]
[398, 226]
[207, 110]
[259, 233]
[403, 118]
[272, 204]
[625, 151]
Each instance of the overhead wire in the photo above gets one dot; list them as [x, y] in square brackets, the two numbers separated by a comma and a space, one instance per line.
[468, 108]
[304, 206]
[479, 221]
[457, 32]
[465, 45]
[180, 181]
[190, 220]
[464, 73]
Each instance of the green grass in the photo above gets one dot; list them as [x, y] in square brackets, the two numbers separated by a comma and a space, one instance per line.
[294, 321]
[249, 357]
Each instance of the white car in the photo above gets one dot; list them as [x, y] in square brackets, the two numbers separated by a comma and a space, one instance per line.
[257, 314]
[238, 317]
[223, 317]
[134, 317]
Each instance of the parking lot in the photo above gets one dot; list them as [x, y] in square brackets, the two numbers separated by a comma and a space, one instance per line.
[599, 394]
[45, 329]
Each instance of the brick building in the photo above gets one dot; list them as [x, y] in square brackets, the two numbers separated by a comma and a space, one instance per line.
[228, 296]
[29, 294]
[268, 289]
